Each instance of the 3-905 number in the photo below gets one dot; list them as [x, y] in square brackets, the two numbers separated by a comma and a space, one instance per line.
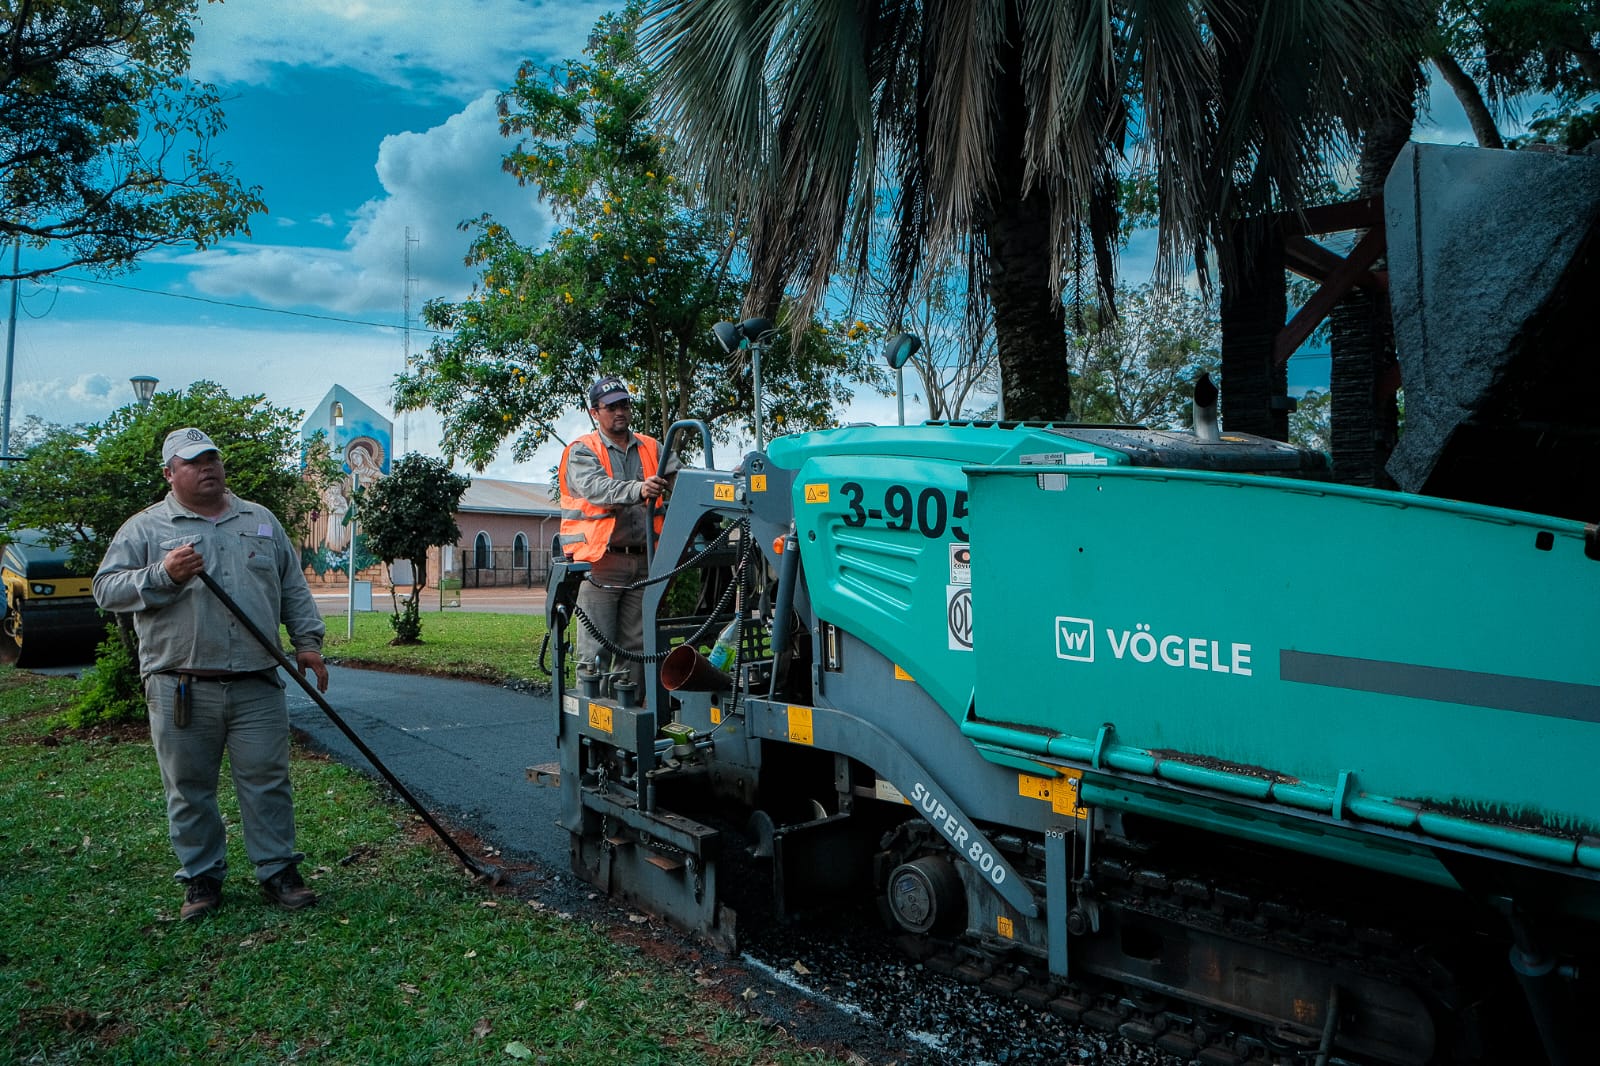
[930, 511]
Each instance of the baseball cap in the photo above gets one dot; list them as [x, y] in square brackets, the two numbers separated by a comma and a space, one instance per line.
[608, 390]
[186, 443]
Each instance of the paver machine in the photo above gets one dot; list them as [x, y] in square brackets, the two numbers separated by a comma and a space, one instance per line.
[1159, 729]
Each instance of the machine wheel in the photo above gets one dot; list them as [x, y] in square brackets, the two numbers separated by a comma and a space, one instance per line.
[11, 629]
[12, 648]
[925, 895]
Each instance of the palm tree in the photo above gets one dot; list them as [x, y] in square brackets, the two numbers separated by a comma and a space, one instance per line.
[1005, 128]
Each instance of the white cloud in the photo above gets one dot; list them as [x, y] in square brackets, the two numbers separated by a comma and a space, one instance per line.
[292, 370]
[85, 392]
[452, 50]
[432, 181]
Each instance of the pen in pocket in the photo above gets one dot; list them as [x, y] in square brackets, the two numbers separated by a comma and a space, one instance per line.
[183, 701]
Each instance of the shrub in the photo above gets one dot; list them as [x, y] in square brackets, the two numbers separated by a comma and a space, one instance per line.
[407, 622]
[110, 690]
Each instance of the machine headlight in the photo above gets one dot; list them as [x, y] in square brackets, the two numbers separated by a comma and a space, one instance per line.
[43, 590]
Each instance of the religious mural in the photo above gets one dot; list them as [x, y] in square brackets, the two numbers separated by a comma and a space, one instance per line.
[363, 441]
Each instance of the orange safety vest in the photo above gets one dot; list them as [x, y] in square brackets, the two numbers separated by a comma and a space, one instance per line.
[585, 527]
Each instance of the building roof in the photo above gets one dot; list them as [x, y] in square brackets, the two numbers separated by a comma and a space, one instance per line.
[489, 496]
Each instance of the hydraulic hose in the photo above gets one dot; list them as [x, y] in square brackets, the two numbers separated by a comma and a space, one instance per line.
[492, 876]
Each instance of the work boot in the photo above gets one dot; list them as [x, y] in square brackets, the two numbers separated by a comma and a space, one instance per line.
[201, 896]
[288, 890]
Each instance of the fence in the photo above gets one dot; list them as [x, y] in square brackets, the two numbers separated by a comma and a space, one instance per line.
[505, 568]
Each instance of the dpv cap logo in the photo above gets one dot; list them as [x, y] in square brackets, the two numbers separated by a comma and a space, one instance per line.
[1075, 639]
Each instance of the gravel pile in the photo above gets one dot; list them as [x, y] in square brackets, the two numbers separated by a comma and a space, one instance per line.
[942, 1021]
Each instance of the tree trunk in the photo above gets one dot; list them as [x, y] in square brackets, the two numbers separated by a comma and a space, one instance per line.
[1254, 300]
[419, 580]
[1029, 322]
[1471, 101]
[1254, 307]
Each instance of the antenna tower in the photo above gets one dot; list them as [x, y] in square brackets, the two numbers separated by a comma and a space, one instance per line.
[405, 299]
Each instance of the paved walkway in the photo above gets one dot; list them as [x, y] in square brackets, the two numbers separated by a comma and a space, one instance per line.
[499, 600]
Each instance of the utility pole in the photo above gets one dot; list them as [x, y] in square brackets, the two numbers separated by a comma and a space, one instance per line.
[11, 349]
[405, 299]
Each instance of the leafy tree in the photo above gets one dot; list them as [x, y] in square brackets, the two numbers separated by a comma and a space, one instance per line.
[631, 282]
[79, 484]
[406, 513]
[105, 144]
[1141, 369]
[1006, 130]
[954, 364]
[31, 431]
[1495, 53]
[1311, 424]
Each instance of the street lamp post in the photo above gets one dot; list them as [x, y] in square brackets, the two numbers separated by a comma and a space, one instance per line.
[896, 350]
[144, 387]
[754, 334]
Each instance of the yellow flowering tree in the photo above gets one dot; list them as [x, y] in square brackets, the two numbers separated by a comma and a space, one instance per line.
[630, 282]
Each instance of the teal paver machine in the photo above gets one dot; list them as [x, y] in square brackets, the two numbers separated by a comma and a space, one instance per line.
[1161, 729]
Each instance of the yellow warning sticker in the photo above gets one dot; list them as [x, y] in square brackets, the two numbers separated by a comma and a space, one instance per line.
[1060, 792]
[817, 493]
[1033, 787]
[600, 717]
[1064, 797]
[901, 675]
[1005, 928]
[722, 490]
[800, 725]
[758, 483]
[716, 715]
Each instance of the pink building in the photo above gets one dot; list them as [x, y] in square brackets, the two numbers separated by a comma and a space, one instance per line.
[506, 531]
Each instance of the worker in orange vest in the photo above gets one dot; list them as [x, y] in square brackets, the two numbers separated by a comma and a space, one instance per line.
[608, 479]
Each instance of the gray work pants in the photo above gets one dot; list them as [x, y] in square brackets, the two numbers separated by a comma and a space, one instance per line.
[249, 719]
[618, 614]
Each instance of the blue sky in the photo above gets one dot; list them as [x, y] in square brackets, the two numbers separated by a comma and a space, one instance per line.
[359, 120]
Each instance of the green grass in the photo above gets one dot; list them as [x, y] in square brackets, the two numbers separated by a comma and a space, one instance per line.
[468, 644]
[405, 960]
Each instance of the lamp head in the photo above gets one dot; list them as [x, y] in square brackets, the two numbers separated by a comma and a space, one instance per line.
[899, 348]
[755, 328]
[144, 387]
[727, 335]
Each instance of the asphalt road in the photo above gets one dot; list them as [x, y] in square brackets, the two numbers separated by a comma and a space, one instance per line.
[461, 748]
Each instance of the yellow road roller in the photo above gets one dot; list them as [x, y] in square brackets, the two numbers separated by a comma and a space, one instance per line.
[50, 614]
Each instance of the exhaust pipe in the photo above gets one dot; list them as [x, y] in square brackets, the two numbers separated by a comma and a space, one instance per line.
[1207, 430]
[686, 670]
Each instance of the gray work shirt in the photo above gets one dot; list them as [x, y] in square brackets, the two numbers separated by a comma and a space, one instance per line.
[622, 491]
[186, 627]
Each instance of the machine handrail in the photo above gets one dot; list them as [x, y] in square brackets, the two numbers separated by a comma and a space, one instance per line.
[705, 438]
[654, 507]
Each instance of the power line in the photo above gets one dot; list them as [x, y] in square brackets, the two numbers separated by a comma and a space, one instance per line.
[248, 307]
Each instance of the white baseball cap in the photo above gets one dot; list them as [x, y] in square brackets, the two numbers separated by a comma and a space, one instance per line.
[186, 444]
